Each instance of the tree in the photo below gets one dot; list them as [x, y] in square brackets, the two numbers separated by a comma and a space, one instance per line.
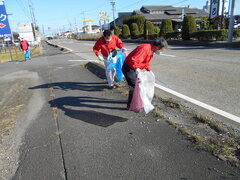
[166, 27]
[150, 30]
[156, 29]
[136, 18]
[134, 31]
[117, 30]
[188, 27]
[125, 31]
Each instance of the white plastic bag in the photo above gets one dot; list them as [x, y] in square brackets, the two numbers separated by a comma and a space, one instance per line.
[146, 85]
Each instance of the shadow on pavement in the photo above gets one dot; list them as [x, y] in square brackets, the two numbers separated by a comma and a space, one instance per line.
[17, 61]
[68, 105]
[94, 86]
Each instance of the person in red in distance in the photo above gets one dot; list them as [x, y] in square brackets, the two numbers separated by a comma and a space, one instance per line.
[25, 48]
[138, 59]
[107, 44]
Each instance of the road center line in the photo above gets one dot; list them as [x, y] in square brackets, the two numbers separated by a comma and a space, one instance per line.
[201, 104]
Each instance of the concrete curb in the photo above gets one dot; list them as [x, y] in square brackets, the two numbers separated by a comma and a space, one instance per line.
[201, 108]
[62, 47]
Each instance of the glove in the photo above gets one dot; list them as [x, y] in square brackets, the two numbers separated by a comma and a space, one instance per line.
[138, 71]
[100, 58]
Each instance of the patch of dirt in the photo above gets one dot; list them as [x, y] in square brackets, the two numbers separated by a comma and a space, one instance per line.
[220, 139]
[14, 97]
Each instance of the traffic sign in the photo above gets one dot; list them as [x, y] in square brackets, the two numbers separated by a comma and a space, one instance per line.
[4, 24]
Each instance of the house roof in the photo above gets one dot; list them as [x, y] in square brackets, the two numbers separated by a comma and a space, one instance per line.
[168, 12]
[157, 13]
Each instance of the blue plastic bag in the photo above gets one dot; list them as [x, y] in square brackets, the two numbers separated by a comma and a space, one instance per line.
[120, 60]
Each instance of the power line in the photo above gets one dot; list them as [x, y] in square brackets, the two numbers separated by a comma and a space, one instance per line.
[23, 9]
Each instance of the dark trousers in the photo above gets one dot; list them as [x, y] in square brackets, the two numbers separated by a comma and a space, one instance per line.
[130, 76]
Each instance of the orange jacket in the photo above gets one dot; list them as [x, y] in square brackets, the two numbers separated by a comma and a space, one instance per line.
[105, 47]
[140, 57]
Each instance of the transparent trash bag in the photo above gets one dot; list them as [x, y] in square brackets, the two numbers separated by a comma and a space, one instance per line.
[111, 62]
[146, 86]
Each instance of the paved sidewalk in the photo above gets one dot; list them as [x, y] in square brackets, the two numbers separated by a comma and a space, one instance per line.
[84, 132]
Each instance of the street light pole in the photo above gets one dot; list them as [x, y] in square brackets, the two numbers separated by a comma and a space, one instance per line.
[113, 9]
[231, 24]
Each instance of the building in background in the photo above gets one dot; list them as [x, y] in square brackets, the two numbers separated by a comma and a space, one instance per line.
[25, 31]
[156, 14]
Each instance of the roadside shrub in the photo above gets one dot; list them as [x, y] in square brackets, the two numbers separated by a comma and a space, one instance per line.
[134, 31]
[174, 35]
[149, 29]
[156, 29]
[117, 30]
[236, 33]
[210, 35]
[125, 31]
[222, 35]
[138, 19]
[166, 27]
[188, 27]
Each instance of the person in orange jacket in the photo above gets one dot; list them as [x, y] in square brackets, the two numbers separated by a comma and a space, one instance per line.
[103, 47]
[140, 58]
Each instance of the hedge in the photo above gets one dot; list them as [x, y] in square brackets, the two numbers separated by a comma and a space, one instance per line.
[174, 35]
[214, 35]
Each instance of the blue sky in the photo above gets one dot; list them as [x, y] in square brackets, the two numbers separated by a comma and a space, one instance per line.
[58, 14]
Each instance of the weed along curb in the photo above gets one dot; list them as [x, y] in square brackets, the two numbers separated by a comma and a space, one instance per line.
[65, 49]
[209, 130]
[202, 108]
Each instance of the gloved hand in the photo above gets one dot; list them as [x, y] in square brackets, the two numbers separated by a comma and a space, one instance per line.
[138, 71]
[100, 58]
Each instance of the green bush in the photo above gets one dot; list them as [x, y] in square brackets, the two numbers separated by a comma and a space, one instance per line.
[149, 29]
[117, 31]
[174, 35]
[134, 31]
[210, 35]
[236, 33]
[125, 31]
[166, 27]
[156, 29]
[188, 27]
[136, 18]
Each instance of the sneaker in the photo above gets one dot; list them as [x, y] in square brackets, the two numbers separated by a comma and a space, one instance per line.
[110, 87]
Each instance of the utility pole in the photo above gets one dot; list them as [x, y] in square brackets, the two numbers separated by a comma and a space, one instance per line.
[231, 24]
[43, 29]
[222, 18]
[113, 9]
[83, 14]
[32, 17]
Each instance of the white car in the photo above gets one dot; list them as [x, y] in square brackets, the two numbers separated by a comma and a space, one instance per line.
[236, 26]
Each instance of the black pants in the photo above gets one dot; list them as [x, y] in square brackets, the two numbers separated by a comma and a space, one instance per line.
[130, 76]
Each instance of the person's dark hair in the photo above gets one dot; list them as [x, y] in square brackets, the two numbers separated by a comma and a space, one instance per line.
[107, 33]
[160, 42]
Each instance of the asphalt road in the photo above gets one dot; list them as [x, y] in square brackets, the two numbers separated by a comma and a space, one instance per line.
[83, 131]
[210, 75]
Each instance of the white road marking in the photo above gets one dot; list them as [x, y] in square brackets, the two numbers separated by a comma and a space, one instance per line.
[167, 55]
[81, 60]
[87, 44]
[201, 104]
